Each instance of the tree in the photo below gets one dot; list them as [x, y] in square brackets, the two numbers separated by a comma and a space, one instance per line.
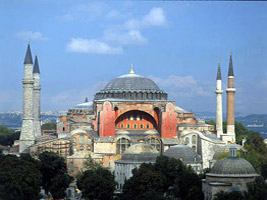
[145, 179]
[91, 164]
[7, 137]
[96, 184]
[55, 177]
[257, 190]
[168, 178]
[49, 126]
[19, 178]
[234, 195]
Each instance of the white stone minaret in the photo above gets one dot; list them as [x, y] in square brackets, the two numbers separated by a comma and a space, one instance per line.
[229, 137]
[36, 98]
[219, 91]
[27, 131]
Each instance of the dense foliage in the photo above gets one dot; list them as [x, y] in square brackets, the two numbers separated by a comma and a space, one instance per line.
[168, 178]
[96, 183]
[20, 178]
[55, 177]
[49, 126]
[7, 137]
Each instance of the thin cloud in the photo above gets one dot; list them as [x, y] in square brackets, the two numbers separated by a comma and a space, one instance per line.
[155, 17]
[29, 35]
[125, 38]
[92, 46]
[184, 85]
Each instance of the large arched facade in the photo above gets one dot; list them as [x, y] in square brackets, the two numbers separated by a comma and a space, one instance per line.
[136, 120]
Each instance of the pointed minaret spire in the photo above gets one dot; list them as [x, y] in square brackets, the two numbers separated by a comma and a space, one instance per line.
[86, 100]
[36, 65]
[219, 91]
[219, 76]
[230, 90]
[231, 70]
[28, 56]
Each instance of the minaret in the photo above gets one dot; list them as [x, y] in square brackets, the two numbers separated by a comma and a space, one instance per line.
[36, 98]
[230, 90]
[219, 91]
[86, 100]
[27, 132]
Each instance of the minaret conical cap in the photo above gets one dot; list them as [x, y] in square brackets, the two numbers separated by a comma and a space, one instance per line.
[219, 76]
[231, 70]
[28, 56]
[36, 65]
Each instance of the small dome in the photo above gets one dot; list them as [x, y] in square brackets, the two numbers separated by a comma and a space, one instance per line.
[132, 87]
[140, 153]
[232, 165]
[86, 105]
[75, 131]
[140, 148]
[184, 153]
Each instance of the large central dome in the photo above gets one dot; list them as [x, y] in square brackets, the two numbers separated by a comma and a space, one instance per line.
[131, 87]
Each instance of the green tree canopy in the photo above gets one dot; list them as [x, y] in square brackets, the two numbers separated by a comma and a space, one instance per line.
[168, 178]
[55, 177]
[96, 184]
[20, 178]
[7, 137]
[49, 126]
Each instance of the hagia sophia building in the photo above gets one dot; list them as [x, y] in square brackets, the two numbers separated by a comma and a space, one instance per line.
[131, 109]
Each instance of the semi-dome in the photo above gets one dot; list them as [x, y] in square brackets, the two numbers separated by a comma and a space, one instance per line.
[184, 153]
[233, 166]
[140, 153]
[131, 87]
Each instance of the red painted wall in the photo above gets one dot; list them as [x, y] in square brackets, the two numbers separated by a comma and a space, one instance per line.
[168, 119]
[107, 119]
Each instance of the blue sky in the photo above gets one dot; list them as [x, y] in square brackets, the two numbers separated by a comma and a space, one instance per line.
[81, 45]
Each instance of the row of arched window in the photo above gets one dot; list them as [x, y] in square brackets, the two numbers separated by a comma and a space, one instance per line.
[132, 95]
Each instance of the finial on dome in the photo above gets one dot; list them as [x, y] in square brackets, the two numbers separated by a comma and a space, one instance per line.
[132, 71]
[29, 41]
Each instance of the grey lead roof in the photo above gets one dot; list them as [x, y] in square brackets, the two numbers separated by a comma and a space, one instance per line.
[28, 56]
[132, 82]
[36, 66]
[219, 76]
[232, 165]
[186, 153]
[231, 70]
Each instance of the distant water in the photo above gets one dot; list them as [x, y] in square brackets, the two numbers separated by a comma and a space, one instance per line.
[261, 130]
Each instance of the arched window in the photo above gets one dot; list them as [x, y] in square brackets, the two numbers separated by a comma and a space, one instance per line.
[135, 126]
[141, 126]
[154, 142]
[81, 139]
[71, 166]
[128, 126]
[194, 139]
[122, 145]
[89, 141]
[194, 148]
[186, 140]
[121, 125]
